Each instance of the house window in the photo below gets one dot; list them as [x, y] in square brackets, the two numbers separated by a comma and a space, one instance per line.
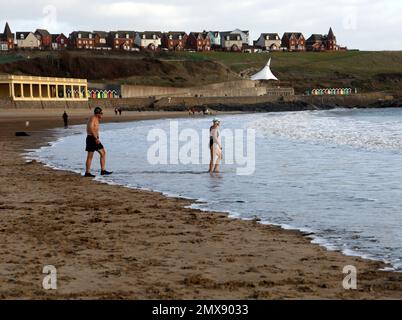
[79, 42]
[154, 37]
[180, 37]
[127, 36]
[90, 36]
[143, 36]
[62, 41]
[170, 37]
[22, 37]
[117, 41]
[116, 36]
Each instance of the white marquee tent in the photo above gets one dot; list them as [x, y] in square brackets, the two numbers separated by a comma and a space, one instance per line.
[265, 74]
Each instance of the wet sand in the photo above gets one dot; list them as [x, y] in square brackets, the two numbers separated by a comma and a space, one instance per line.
[110, 242]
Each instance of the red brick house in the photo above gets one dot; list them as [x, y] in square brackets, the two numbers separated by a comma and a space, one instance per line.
[44, 37]
[330, 41]
[81, 40]
[315, 43]
[121, 40]
[101, 40]
[174, 40]
[59, 41]
[7, 39]
[319, 42]
[294, 41]
[199, 41]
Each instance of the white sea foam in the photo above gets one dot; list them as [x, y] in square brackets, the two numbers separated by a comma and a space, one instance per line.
[344, 199]
[341, 130]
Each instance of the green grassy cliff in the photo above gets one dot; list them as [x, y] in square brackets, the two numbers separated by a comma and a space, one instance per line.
[367, 71]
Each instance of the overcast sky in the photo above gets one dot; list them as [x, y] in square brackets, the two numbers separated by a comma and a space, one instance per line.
[362, 24]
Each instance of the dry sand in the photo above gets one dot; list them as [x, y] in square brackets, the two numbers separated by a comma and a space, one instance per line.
[112, 242]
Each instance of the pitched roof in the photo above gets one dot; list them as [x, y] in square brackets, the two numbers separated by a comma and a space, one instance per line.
[102, 34]
[315, 38]
[150, 34]
[7, 31]
[331, 35]
[56, 36]
[123, 33]
[42, 32]
[202, 35]
[297, 35]
[24, 33]
[247, 32]
[232, 36]
[271, 36]
[176, 34]
[84, 34]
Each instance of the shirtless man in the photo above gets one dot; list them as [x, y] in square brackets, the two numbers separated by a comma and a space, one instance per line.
[94, 144]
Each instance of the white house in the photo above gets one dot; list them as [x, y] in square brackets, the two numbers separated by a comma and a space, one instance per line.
[231, 41]
[269, 41]
[245, 35]
[148, 40]
[27, 40]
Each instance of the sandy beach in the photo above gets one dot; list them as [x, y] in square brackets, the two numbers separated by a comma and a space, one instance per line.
[110, 242]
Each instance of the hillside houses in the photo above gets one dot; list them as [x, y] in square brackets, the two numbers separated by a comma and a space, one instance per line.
[215, 39]
[59, 41]
[231, 42]
[174, 40]
[237, 40]
[319, 42]
[27, 40]
[294, 41]
[199, 41]
[44, 37]
[269, 42]
[101, 40]
[122, 40]
[6, 39]
[81, 40]
[148, 40]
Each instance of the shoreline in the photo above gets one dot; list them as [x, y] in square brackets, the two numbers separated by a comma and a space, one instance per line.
[249, 285]
[320, 241]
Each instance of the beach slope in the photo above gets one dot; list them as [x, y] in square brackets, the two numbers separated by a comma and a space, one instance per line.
[110, 242]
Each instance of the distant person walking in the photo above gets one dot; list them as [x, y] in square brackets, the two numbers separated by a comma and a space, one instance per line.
[120, 111]
[93, 144]
[216, 147]
[65, 119]
[116, 111]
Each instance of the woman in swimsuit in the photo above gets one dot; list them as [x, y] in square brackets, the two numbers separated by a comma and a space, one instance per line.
[216, 147]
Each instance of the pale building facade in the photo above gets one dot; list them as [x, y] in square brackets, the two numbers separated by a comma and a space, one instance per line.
[27, 88]
[148, 40]
[27, 40]
[269, 41]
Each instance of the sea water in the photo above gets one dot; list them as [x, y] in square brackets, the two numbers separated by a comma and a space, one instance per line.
[336, 175]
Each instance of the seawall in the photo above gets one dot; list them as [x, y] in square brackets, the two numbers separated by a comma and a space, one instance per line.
[257, 103]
